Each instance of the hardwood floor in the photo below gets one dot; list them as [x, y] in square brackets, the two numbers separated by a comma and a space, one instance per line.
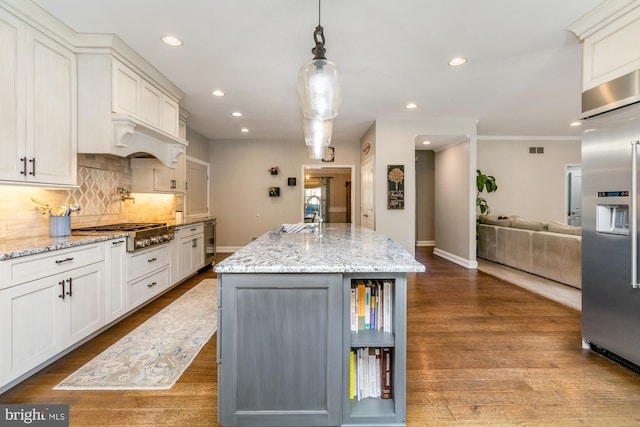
[480, 352]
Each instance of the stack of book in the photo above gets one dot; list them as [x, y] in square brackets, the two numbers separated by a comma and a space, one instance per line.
[371, 303]
[370, 373]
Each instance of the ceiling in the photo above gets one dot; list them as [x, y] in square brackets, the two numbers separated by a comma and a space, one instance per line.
[522, 78]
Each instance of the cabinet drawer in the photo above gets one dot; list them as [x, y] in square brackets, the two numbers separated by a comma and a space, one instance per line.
[147, 288]
[142, 263]
[28, 268]
[189, 230]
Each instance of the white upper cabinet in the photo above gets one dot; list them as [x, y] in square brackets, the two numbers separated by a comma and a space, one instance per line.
[134, 95]
[38, 106]
[610, 33]
[126, 90]
[170, 111]
[150, 103]
[123, 111]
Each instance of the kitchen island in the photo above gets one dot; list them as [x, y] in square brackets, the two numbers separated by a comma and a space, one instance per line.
[288, 304]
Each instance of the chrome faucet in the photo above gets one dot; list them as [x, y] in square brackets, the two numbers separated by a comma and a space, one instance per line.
[126, 194]
[317, 215]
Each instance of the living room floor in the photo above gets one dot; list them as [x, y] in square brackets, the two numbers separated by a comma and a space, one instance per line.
[564, 294]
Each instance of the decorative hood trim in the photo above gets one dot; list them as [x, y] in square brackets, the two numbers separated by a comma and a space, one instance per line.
[132, 135]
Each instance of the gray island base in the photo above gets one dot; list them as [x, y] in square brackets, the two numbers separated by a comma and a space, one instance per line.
[312, 330]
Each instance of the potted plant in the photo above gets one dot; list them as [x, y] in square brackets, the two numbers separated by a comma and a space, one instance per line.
[484, 183]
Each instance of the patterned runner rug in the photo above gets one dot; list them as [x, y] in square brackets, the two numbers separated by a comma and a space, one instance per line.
[156, 353]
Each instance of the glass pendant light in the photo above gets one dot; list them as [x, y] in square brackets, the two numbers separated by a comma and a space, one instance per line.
[318, 82]
[317, 133]
[317, 152]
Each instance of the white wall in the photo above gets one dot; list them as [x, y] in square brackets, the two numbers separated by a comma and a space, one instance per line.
[395, 144]
[198, 145]
[240, 181]
[425, 198]
[531, 186]
[455, 203]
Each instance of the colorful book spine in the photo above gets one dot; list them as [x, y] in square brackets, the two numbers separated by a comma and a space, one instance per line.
[353, 311]
[352, 374]
[367, 307]
[361, 305]
[387, 374]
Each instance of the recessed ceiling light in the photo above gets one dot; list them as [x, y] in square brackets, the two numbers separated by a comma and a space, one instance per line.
[426, 142]
[576, 123]
[411, 105]
[458, 60]
[172, 40]
[236, 114]
[217, 92]
[244, 130]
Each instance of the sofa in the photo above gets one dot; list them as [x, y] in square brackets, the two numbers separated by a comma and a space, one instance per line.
[552, 250]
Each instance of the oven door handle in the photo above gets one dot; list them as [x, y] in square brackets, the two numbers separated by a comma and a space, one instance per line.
[633, 221]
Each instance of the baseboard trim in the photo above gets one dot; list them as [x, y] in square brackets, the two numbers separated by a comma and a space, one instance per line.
[426, 243]
[227, 249]
[471, 265]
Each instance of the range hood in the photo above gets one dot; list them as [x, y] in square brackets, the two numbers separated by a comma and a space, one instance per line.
[617, 93]
[133, 137]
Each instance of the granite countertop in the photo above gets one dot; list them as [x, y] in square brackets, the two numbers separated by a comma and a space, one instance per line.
[342, 248]
[15, 248]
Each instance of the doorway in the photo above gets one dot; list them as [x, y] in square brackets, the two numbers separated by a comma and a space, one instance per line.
[573, 202]
[327, 191]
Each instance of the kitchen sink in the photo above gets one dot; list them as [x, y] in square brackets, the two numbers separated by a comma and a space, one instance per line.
[300, 227]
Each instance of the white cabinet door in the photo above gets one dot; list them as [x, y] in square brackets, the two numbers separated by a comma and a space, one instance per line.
[12, 88]
[191, 253]
[150, 103]
[170, 115]
[31, 325]
[51, 111]
[150, 175]
[38, 106]
[116, 281]
[84, 310]
[126, 90]
[197, 185]
[174, 267]
[186, 251]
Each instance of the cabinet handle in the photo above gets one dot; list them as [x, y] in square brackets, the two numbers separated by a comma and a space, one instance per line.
[173, 183]
[152, 259]
[60, 261]
[118, 242]
[61, 283]
[194, 243]
[150, 285]
[24, 165]
[33, 166]
[194, 229]
[70, 280]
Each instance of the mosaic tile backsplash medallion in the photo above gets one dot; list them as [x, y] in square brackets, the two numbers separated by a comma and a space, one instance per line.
[97, 193]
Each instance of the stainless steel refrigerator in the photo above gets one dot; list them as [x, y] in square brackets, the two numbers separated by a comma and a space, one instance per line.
[610, 282]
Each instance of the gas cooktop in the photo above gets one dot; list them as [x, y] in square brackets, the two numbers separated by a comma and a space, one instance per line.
[126, 226]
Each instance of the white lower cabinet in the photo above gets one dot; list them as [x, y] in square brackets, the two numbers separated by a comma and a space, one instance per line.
[189, 251]
[147, 274]
[116, 294]
[42, 317]
[148, 287]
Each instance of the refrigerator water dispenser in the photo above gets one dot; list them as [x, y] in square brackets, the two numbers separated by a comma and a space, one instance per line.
[612, 219]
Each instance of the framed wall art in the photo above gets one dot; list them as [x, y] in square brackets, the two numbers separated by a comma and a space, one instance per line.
[395, 187]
